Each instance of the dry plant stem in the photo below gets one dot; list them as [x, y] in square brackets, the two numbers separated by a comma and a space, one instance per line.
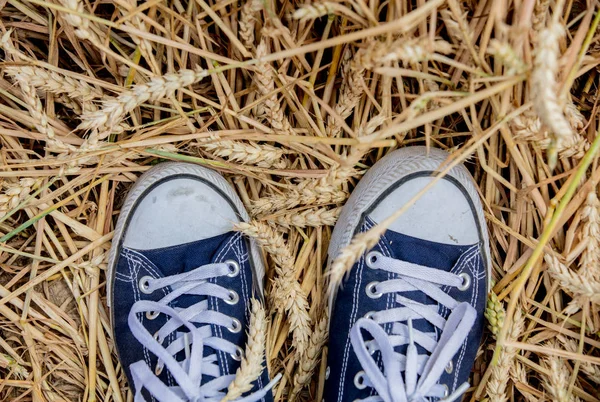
[251, 365]
[543, 240]
[287, 294]
[544, 86]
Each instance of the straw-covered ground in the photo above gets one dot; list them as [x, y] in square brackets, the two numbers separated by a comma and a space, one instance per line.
[292, 102]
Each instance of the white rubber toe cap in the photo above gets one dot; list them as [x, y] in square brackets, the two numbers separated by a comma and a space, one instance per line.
[442, 215]
[178, 211]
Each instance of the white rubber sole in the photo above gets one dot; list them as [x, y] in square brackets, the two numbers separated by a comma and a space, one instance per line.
[384, 175]
[160, 173]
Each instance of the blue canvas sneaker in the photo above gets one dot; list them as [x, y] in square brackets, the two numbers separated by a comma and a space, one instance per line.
[179, 286]
[408, 319]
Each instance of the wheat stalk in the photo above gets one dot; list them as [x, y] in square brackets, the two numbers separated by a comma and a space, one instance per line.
[247, 153]
[496, 385]
[287, 294]
[544, 86]
[310, 359]
[251, 365]
[105, 120]
[314, 217]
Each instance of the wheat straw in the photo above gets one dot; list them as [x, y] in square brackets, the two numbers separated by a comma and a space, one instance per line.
[251, 365]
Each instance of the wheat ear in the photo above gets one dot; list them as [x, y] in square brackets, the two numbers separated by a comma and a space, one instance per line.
[247, 153]
[590, 259]
[314, 217]
[113, 110]
[265, 82]
[507, 56]
[310, 359]
[54, 82]
[378, 53]
[494, 313]
[83, 29]
[496, 385]
[592, 371]
[313, 11]
[557, 380]
[351, 93]
[251, 365]
[287, 294]
[544, 85]
[15, 193]
[573, 282]
[248, 22]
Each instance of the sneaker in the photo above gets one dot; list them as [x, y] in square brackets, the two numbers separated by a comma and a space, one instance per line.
[180, 283]
[409, 317]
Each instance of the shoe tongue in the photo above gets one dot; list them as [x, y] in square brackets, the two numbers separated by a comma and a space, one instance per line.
[186, 257]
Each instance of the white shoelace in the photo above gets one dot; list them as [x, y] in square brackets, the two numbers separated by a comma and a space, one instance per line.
[421, 371]
[196, 318]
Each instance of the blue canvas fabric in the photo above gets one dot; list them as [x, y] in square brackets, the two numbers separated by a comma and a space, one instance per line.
[135, 264]
[353, 303]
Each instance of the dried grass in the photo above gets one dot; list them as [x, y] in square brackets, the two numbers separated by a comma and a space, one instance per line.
[292, 101]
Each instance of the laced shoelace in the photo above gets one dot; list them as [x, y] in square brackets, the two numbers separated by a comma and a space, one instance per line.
[196, 319]
[421, 371]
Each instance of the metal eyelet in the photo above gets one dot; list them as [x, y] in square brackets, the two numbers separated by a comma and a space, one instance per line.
[239, 353]
[370, 315]
[236, 326]
[158, 369]
[144, 284]
[156, 337]
[466, 281]
[370, 349]
[233, 297]
[372, 258]
[151, 315]
[359, 380]
[450, 367]
[372, 292]
[234, 268]
[446, 391]
[327, 372]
